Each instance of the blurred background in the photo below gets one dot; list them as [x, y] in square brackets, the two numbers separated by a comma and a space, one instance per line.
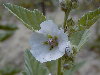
[14, 36]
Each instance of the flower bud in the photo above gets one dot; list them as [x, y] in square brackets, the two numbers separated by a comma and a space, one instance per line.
[74, 4]
[67, 5]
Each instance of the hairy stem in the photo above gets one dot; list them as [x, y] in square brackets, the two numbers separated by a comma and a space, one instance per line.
[65, 20]
[59, 67]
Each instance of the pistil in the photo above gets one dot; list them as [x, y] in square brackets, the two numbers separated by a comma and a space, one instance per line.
[52, 42]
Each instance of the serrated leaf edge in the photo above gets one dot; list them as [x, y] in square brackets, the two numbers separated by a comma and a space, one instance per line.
[20, 18]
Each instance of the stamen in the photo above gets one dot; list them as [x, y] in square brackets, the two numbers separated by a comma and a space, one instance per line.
[49, 36]
[45, 43]
[52, 42]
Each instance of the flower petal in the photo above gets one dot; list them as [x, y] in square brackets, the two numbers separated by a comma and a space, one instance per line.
[37, 39]
[42, 52]
[48, 27]
[53, 55]
[62, 39]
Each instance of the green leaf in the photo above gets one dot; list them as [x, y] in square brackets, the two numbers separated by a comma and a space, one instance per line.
[32, 66]
[89, 19]
[74, 69]
[79, 38]
[70, 22]
[8, 27]
[76, 37]
[84, 39]
[5, 35]
[9, 70]
[31, 19]
[52, 67]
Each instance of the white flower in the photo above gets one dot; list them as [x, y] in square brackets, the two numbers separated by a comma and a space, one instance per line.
[49, 43]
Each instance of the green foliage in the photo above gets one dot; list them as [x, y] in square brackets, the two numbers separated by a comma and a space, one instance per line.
[52, 67]
[8, 27]
[79, 38]
[84, 39]
[70, 26]
[9, 70]
[74, 69]
[70, 22]
[89, 19]
[32, 66]
[31, 19]
[76, 37]
[7, 31]
[5, 35]
[68, 5]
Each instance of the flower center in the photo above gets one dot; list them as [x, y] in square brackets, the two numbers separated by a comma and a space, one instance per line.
[52, 42]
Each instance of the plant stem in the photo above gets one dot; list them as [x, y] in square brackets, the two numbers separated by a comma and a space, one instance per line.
[43, 7]
[59, 67]
[65, 20]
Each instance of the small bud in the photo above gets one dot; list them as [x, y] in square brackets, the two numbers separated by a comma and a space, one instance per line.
[67, 5]
[74, 4]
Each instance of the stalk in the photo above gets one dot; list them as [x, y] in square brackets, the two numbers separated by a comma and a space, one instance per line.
[43, 7]
[59, 67]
